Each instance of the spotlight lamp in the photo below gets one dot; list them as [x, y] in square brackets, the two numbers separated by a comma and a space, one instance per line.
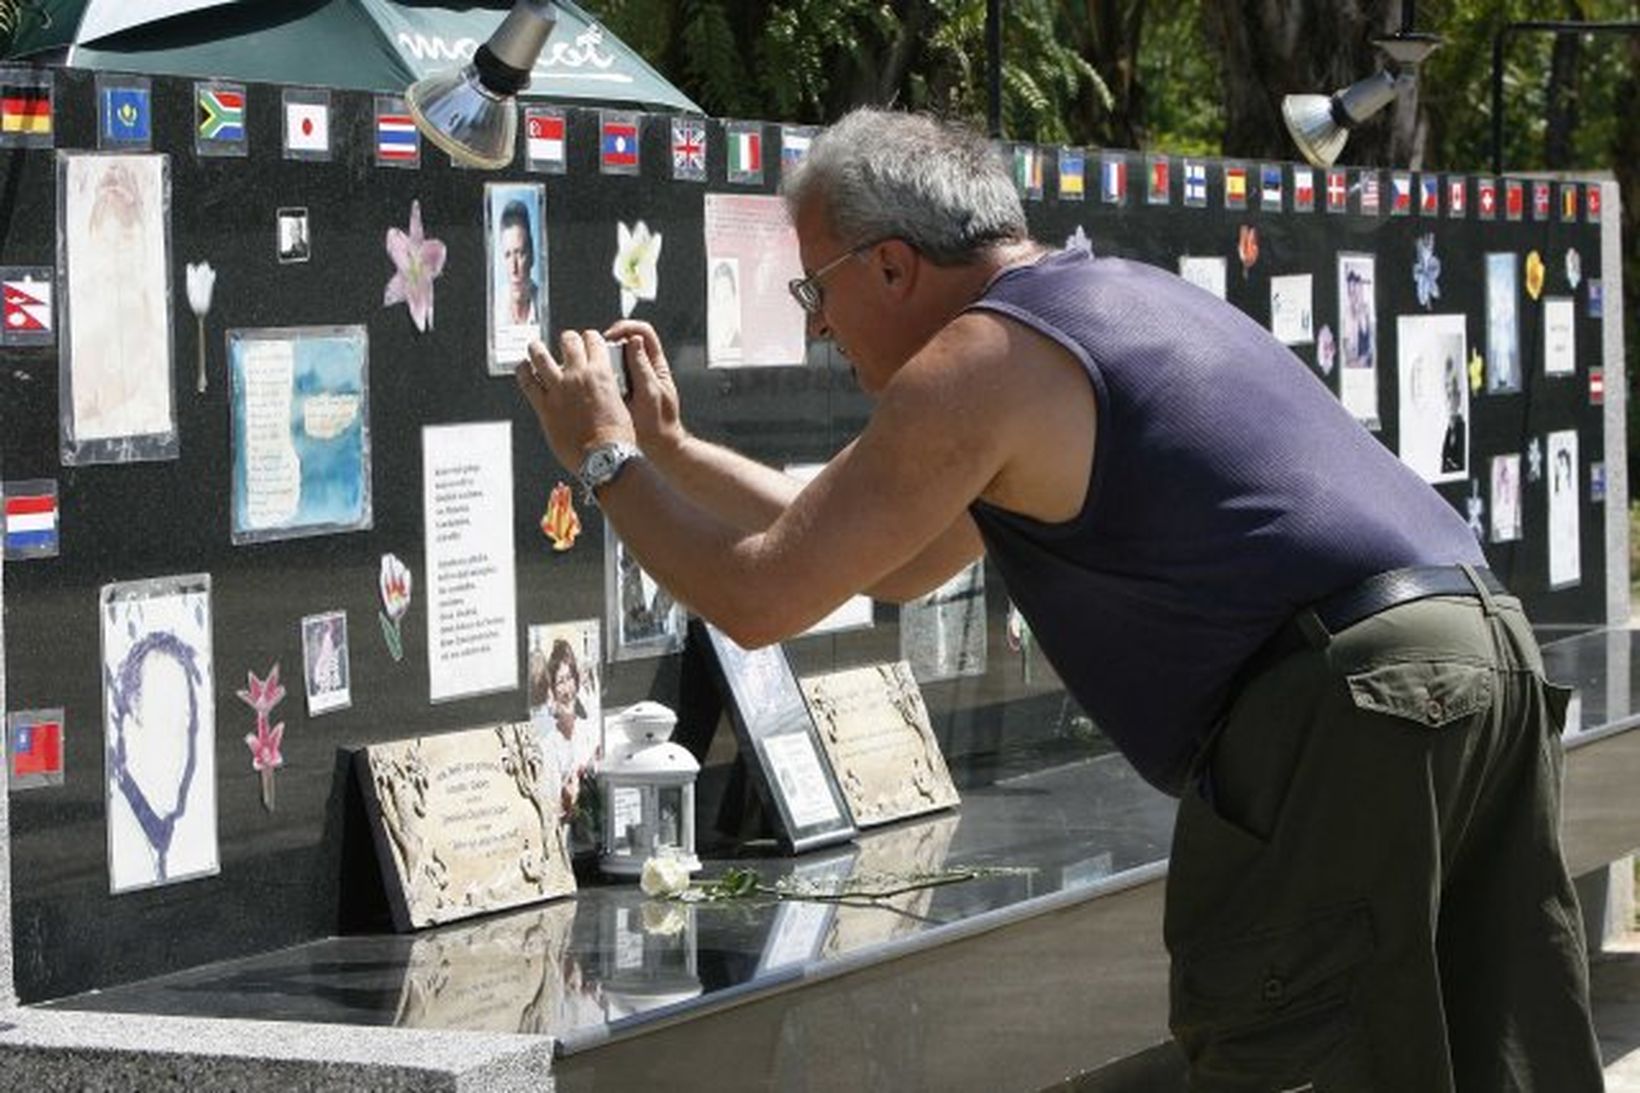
[469, 111]
[1320, 124]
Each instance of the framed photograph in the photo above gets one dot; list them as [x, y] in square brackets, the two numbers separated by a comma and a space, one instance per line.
[565, 676]
[114, 306]
[293, 241]
[1502, 324]
[781, 744]
[1358, 337]
[299, 399]
[326, 666]
[1565, 535]
[515, 233]
[1559, 336]
[751, 254]
[1292, 311]
[643, 618]
[1506, 498]
[1434, 388]
[159, 731]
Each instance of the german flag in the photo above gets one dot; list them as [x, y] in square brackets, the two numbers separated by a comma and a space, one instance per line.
[25, 109]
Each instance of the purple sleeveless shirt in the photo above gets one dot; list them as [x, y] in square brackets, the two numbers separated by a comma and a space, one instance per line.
[1229, 489]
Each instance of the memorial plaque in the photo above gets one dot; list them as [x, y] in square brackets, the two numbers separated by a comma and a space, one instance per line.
[875, 729]
[464, 823]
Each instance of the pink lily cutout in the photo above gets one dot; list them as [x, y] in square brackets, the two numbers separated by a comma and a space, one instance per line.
[418, 261]
[262, 695]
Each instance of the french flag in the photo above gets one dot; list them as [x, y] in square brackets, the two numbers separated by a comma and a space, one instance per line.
[1114, 172]
[31, 521]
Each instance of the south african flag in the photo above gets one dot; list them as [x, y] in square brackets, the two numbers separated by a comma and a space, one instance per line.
[221, 114]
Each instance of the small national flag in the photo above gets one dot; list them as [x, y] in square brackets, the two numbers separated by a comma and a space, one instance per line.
[27, 316]
[35, 745]
[745, 140]
[1486, 197]
[125, 112]
[398, 144]
[1338, 191]
[1113, 179]
[1597, 298]
[1457, 197]
[1073, 174]
[1028, 171]
[307, 124]
[1568, 202]
[1597, 386]
[618, 143]
[1159, 170]
[1540, 201]
[1369, 193]
[794, 146]
[1303, 190]
[1270, 188]
[25, 110]
[1429, 195]
[1195, 184]
[544, 140]
[688, 149]
[1516, 201]
[31, 519]
[1235, 187]
[1591, 203]
[220, 119]
[1401, 201]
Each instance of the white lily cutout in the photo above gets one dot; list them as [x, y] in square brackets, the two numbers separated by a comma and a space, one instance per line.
[637, 253]
[201, 284]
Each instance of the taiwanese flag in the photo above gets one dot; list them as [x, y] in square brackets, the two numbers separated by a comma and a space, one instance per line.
[620, 144]
[25, 109]
[37, 749]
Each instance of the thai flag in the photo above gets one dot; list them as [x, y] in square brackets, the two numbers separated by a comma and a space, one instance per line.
[31, 520]
[396, 137]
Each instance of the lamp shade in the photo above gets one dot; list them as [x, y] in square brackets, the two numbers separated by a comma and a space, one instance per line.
[1320, 124]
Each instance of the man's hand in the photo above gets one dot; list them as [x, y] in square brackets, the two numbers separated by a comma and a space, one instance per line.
[576, 402]
[654, 401]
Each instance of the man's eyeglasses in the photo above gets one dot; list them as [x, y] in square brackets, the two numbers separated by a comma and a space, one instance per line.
[806, 290]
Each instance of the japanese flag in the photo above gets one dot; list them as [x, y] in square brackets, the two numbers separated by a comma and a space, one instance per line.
[307, 127]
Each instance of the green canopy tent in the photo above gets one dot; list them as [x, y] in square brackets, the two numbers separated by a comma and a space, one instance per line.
[363, 45]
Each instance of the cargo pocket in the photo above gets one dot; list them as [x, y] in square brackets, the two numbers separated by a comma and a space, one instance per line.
[1432, 693]
[1272, 1010]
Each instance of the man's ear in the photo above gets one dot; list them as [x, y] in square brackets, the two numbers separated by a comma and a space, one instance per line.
[896, 262]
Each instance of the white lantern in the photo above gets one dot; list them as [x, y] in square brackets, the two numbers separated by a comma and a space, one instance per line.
[648, 788]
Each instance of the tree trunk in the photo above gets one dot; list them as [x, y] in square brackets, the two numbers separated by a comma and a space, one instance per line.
[1561, 95]
[1273, 48]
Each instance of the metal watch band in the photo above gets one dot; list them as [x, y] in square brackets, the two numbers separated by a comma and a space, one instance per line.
[602, 463]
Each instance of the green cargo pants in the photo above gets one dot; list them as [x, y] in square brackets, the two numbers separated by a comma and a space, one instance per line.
[1366, 890]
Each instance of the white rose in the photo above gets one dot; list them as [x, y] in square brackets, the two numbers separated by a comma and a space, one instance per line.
[664, 876]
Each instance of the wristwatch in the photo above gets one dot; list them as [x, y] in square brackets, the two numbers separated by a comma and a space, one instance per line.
[602, 463]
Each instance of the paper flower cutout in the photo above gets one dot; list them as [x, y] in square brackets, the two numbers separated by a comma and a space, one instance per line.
[1326, 350]
[201, 284]
[262, 695]
[1574, 268]
[417, 262]
[1534, 274]
[1477, 371]
[637, 252]
[1426, 270]
[1078, 240]
[1247, 248]
[396, 583]
[560, 522]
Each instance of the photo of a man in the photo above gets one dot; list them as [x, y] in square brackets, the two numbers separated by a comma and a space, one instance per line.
[515, 236]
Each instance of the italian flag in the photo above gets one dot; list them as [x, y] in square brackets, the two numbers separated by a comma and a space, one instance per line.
[746, 151]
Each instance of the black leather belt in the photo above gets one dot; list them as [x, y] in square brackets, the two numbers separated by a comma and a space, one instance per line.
[1341, 610]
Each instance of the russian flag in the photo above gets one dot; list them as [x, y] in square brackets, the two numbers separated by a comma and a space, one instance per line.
[620, 144]
[396, 137]
[31, 521]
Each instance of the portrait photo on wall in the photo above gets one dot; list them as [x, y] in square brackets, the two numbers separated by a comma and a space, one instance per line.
[293, 239]
[515, 235]
[1434, 394]
[566, 708]
[1506, 498]
[326, 667]
[644, 620]
[114, 375]
[159, 731]
[1565, 541]
[1502, 324]
[751, 256]
[1358, 337]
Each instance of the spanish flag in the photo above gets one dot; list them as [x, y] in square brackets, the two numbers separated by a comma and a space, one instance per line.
[25, 109]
